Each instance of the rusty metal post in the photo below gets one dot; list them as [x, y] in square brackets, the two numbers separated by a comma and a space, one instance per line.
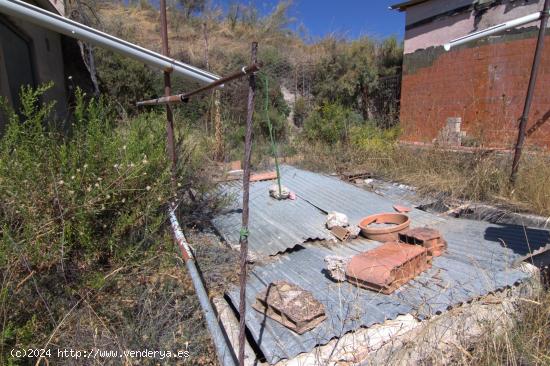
[530, 90]
[181, 98]
[243, 241]
[170, 139]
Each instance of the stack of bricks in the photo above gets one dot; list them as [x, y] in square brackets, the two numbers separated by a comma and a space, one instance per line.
[391, 265]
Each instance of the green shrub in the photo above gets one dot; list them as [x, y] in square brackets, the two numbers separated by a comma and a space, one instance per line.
[234, 113]
[73, 206]
[87, 192]
[369, 137]
[330, 123]
[126, 80]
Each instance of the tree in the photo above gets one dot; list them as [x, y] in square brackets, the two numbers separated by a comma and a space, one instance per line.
[347, 73]
[192, 6]
[390, 56]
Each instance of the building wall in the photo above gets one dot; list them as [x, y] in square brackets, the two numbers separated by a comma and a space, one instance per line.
[429, 9]
[484, 82]
[47, 62]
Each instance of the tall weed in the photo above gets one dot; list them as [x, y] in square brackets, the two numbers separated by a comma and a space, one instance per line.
[76, 203]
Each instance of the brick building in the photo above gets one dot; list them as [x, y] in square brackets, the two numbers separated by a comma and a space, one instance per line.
[478, 87]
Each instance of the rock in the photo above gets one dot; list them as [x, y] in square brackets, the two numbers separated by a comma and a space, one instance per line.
[336, 267]
[274, 192]
[354, 231]
[336, 219]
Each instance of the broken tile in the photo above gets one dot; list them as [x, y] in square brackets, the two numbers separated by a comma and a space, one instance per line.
[401, 208]
[257, 177]
[291, 306]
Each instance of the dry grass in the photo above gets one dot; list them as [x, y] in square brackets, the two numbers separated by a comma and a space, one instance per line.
[527, 342]
[475, 176]
[149, 304]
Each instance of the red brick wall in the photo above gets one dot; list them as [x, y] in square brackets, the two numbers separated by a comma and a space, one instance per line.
[484, 85]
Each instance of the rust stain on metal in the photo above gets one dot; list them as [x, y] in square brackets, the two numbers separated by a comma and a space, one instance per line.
[341, 233]
[263, 176]
[427, 237]
[291, 306]
[181, 98]
[387, 267]
[385, 226]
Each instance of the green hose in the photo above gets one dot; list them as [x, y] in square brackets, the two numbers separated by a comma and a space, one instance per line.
[273, 146]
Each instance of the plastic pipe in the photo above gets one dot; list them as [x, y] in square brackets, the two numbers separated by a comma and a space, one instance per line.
[492, 30]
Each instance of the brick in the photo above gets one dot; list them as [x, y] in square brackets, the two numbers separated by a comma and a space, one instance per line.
[387, 267]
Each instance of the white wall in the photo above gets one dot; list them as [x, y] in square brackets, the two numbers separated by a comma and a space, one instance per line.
[444, 29]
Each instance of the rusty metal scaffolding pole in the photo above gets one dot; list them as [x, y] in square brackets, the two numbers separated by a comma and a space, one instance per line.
[170, 139]
[225, 355]
[530, 91]
[180, 98]
[243, 238]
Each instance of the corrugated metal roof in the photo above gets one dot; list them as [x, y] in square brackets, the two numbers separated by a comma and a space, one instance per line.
[276, 226]
[477, 262]
[332, 194]
[472, 267]
[399, 193]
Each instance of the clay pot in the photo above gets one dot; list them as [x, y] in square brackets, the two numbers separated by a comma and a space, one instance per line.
[400, 223]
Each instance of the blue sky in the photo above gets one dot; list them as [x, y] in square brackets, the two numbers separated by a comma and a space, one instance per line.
[350, 18]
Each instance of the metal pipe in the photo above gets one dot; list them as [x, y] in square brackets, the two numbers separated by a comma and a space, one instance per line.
[223, 350]
[492, 30]
[70, 28]
[530, 91]
[243, 238]
[179, 98]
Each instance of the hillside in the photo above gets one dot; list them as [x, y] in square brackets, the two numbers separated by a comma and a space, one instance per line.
[226, 39]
